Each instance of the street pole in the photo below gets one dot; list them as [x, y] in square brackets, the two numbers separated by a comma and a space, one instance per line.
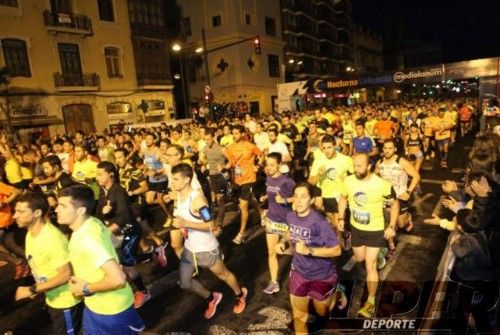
[205, 56]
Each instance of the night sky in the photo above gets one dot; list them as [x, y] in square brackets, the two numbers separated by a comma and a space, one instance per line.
[467, 29]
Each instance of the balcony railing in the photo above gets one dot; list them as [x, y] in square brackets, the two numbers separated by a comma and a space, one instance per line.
[77, 81]
[67, 23]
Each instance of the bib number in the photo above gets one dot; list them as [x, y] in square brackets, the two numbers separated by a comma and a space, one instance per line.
[361, 217]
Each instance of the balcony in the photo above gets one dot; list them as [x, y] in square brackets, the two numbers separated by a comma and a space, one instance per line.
[77, 82]
[67, 23]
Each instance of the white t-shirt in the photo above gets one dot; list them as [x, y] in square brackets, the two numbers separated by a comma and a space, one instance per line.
[261, 140]
[279, 147]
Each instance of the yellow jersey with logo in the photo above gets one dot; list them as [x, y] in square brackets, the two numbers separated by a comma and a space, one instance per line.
[46, 253]
[366, 200]
[336, 170]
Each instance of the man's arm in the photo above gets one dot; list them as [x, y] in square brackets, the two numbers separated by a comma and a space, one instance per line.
[198, 203]
[62, 277]
[412, 172]
[114, 278]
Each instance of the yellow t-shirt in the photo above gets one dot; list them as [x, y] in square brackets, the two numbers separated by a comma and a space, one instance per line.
[336, 171]
[226, 140]
[46, 253]
[366, 201]
[442, 128]
[90, 247]
[84, 170]
[369, 125]
[13, 171]
[429, 125]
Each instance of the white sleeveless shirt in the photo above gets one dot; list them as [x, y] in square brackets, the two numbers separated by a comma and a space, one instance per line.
[395, 175]
[197, 240]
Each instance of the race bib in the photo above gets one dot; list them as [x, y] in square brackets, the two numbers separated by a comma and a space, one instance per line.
[238, 171]
[361, 217]
[276, 227]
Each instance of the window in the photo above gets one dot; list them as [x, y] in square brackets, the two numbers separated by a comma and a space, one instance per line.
[273, 62]
[186, 22]
[112, 62]
[9, 3]
[216, 21]
[105, 8]
[16, 59]
[248, 19]
[270, 26]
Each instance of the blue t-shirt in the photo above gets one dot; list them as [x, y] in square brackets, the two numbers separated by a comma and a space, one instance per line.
[362, 144]
[315, 231]
[283, 185]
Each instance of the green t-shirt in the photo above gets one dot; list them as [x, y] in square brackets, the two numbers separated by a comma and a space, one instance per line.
[336, 171]
[366, 201]
[90, 247]
[46, 253]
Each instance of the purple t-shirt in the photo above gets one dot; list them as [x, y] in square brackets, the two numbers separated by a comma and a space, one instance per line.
[315, 231]
[283, 185]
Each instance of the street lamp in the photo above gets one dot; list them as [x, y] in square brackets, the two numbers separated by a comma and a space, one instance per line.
[176, 47]
[199, 50]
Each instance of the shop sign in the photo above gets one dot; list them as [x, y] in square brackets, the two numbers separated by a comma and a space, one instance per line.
[400, 76]
[156, 107]
[35, 110]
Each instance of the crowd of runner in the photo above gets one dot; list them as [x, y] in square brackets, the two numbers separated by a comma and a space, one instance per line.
[322, 181]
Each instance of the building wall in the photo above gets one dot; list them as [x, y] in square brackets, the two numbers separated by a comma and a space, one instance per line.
[232, 78]
[27, 23]
[368, 51]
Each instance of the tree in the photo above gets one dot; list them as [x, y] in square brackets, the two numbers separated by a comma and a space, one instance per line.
[4, 91]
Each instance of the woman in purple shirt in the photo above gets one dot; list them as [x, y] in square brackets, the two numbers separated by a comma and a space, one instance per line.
[313, 275]
[279, 192]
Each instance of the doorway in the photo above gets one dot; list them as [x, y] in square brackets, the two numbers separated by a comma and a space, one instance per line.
[78, 117]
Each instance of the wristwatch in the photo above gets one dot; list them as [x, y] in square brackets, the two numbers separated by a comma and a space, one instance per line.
[86, 290]
[33, 289]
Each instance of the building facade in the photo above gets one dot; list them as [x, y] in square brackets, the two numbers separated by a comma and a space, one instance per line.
[73, 66]
[236, 73]
[368, 48]
[318, 36]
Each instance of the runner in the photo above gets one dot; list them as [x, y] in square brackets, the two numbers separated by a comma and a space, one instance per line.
[98, 277]
[366, 194]
[314, 274]
[442, 134]
[157, 181]
[201, 247]
[113, 208]
[396, 170]
[414, 146]
[241, 156]
[279, 193]
[48, 256]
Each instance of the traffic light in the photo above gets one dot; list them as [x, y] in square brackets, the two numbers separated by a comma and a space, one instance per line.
[256, 45]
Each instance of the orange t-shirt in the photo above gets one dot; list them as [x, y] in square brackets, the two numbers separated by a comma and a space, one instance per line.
[465, 113]
[241, 156]
[384, 128]
[5, 212]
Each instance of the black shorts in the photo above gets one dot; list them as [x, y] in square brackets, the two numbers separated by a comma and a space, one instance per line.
[66, 319]
[331, 205]
[373, 239]
[160, 186]
[244, 192]
[404, 206]
[218, 183]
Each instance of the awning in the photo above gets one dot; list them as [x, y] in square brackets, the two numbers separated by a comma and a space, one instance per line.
[34, 122]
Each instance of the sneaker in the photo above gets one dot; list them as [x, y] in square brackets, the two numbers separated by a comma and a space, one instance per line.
[367, 310]
[271, 288]
[159, 255]
[239, 239]
[22, 270]
[168, 223]
[212, 305]
[140, 298]
[444, 164]
[381, 261]
[341, 297]
[241, 303]
[390, 253]
[409, 225]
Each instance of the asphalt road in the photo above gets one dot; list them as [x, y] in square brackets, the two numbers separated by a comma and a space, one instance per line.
[173, 310]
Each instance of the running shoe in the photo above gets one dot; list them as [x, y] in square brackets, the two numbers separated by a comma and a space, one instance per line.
[168, 223]
[381, 261]
[409, 225]
[241, 302]
[159, 255]
[272, 288]
[367, 310]
[341, 297]
[140, 298]
[239, 239]
[212, 305]
[444, 164]
[390, 253]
